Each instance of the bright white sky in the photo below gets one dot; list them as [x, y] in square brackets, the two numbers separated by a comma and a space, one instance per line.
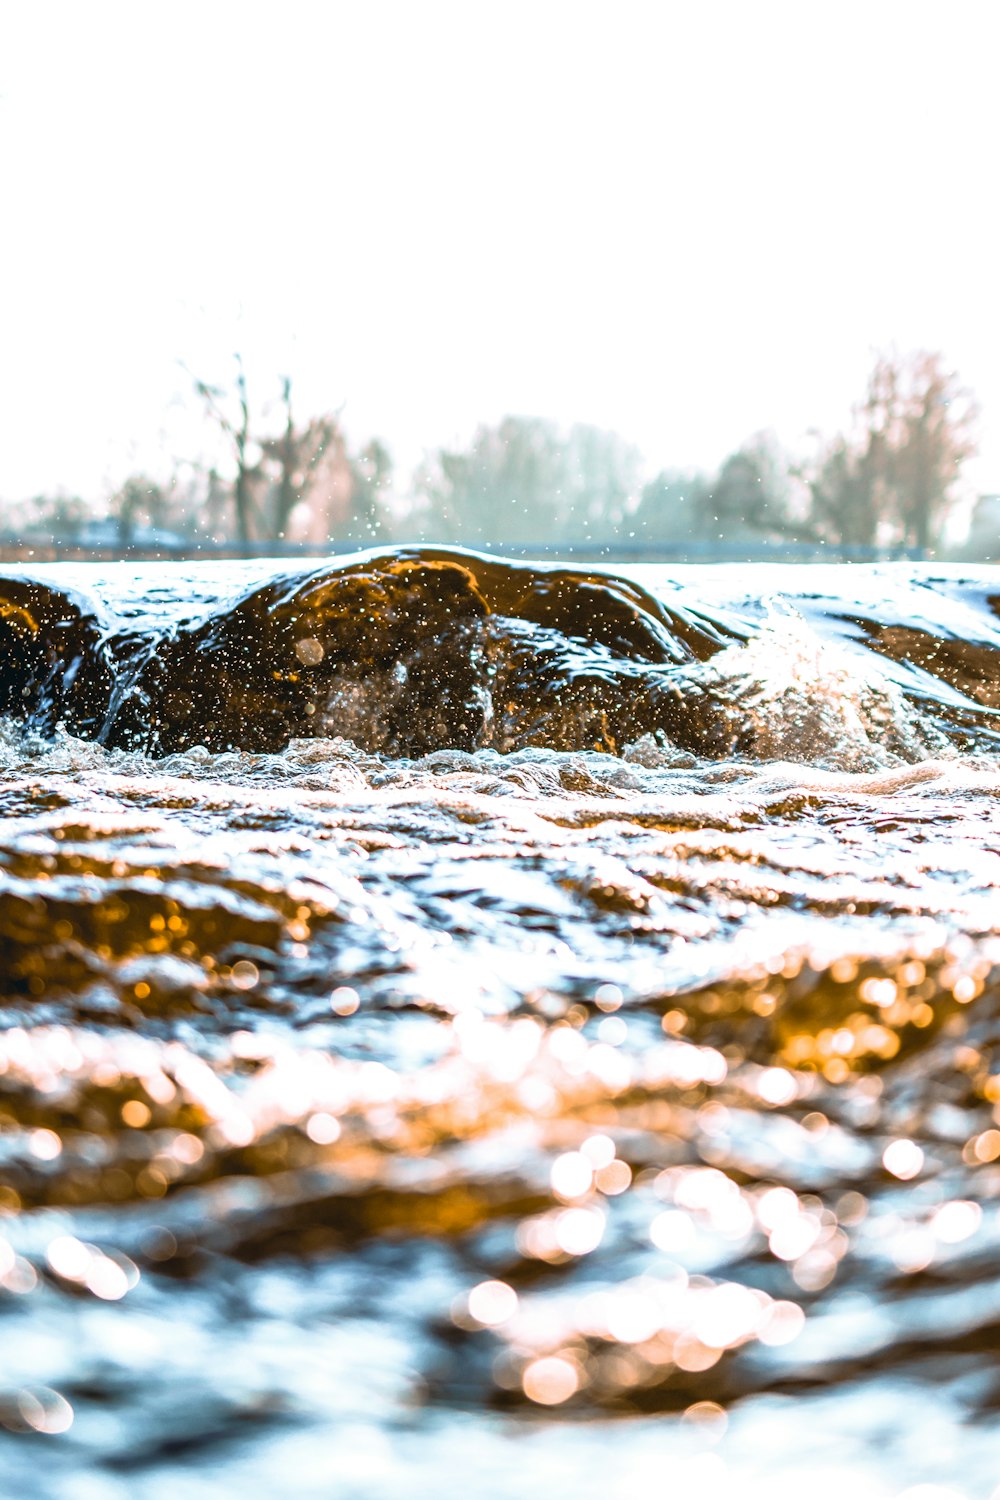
[687, 221]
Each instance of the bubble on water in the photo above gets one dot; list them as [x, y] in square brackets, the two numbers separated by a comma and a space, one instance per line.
[614, 1178]
[815, 1270]
[44, 1144]
[572, 1175]
[492, 1303]
[608, 997]
[727, 1315]
[692, 1355]
[776, 1086]
[344, 1001]
[45, 1410]
[881, 992]
[613, 1030]
[599, 1150]
[68, 1257]
[777, 1206]
[793, 1236]
[956, 1221]
[984, 1147]
[135, 1114]
[903, 1158]
[783, 1322]
[187, 1148]
[106, 1279]
[913, 1250]
[672, 1230]
[309, 651]
[633, 1313]
[20, 1276]
[323, 1128]
[578, 1231]
[235, 1129]
[709, 1417]
[550, 1381]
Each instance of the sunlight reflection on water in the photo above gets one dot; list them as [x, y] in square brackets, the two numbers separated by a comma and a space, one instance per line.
[545, 1115]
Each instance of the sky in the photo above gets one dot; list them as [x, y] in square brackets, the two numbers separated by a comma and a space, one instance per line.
[687, 222]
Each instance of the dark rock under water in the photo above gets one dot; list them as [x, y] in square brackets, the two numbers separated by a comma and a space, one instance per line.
[403, 652]
[466, 1018]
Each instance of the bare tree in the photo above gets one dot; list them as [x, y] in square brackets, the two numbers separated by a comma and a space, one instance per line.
[303, 479]
[890, 482]
[296, 455]
[237, 431]
[936, 422]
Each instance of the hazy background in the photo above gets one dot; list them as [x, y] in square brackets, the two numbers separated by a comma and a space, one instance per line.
[685, 224]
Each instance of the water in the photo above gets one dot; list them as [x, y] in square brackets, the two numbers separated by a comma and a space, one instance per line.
[526, 1025]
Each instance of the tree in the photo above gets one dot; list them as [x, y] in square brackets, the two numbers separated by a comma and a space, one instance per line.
[845, 506]
[142, 502]
[60, 515]
[674, 509]
[525, 481]
[236, 429]
[294, 456]
[749, 499]
[302, 483]
[752, 493]
[371, 475]
[935, 434]
[504, 488]
[890, 481]
[602, 481]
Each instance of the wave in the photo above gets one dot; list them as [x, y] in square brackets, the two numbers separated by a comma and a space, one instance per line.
[412, 650]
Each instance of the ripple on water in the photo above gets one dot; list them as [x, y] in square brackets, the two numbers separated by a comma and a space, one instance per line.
[411, 1109]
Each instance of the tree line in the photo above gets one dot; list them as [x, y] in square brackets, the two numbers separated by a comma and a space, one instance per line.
[887, 482]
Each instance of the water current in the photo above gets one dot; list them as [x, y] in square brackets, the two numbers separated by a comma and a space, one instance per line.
[473, 1028]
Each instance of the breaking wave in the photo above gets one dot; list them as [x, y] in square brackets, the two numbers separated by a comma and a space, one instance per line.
[408, 651]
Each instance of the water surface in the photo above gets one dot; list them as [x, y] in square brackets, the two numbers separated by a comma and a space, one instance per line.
[460, 1018]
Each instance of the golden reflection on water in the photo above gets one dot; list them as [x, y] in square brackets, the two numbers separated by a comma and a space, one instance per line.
[576, 1122]
[597, 1086]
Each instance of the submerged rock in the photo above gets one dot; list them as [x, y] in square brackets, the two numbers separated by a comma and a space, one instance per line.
[402, 652]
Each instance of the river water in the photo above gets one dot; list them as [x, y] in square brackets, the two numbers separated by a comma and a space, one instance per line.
[474, 1025]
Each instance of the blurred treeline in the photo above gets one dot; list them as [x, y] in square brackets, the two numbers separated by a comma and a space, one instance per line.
[888, 484]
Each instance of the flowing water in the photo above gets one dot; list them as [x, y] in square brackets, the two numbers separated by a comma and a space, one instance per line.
[517, 1031]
